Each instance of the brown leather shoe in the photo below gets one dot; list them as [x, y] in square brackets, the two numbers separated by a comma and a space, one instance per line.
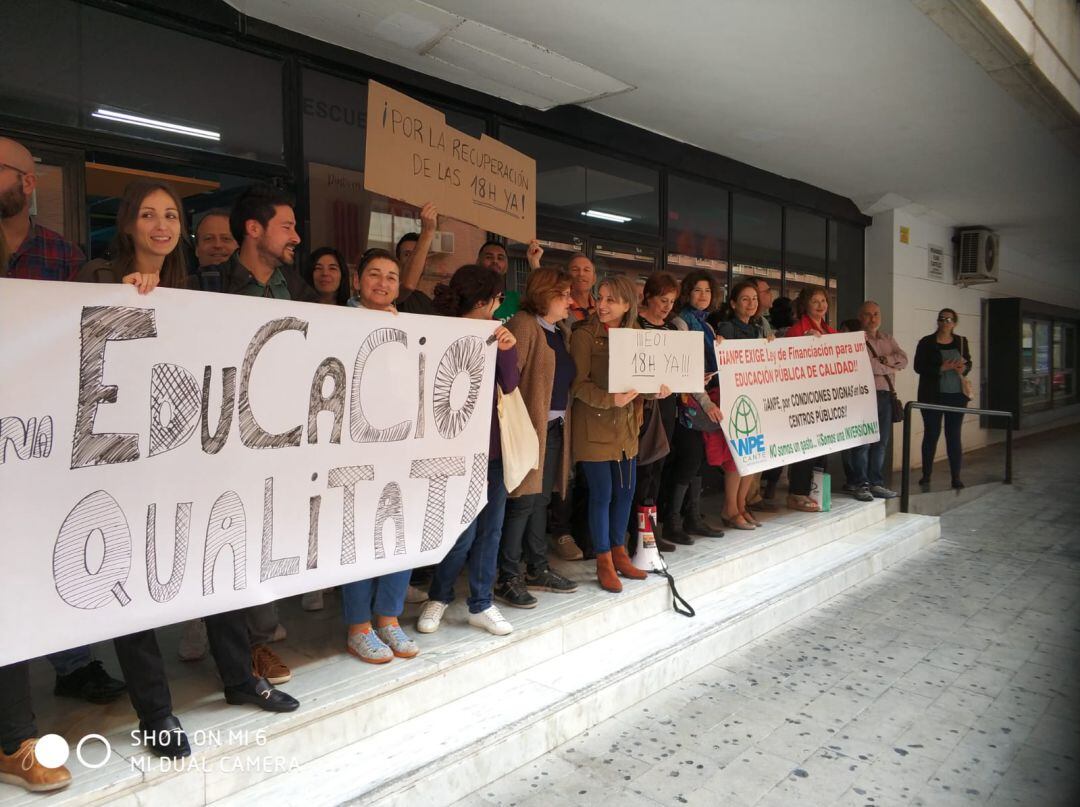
[23, 769]
[625, 566]
[565, 548]
[605, 573]
[266, 664]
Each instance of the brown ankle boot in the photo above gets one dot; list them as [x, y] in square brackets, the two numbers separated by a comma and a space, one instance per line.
[605, 573]
[624, 566]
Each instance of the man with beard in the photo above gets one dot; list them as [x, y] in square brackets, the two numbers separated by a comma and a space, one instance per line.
[263, 223]
[37, 253]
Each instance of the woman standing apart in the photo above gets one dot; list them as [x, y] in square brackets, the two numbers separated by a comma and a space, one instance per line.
[605, 433]
[811, 306]
[942, 359]
[384, 596]
[474, 293]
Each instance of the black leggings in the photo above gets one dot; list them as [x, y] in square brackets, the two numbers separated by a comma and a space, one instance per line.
[687, 455]
[932, 431]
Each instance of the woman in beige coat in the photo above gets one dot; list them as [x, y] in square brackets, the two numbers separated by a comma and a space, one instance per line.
[547, 372]
[605, 431]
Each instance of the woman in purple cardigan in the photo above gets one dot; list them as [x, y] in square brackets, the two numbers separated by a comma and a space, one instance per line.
[474, 293]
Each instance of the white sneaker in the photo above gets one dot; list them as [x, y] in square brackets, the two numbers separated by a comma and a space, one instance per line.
[193, 642]
[312, 601]
[413, 594]
[431, 616]
[491, 620]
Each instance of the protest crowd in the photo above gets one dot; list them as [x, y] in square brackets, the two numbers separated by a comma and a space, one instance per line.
[614, 468]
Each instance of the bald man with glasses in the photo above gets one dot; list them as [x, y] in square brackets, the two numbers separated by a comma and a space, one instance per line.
[37, 253]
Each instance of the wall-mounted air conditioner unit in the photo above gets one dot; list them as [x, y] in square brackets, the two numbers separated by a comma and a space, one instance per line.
[978, 253]
[442, 243]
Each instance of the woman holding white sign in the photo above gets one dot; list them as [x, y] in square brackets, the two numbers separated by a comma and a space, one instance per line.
[605, 431]
[474, 293]
[379, 283]
[739, 323]
[811, 306]
[658, 299]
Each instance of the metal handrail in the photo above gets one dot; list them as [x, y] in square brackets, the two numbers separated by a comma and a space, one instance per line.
[905, 468]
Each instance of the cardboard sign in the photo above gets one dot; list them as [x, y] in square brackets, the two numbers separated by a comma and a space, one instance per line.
[168, 456]
[793, 399]
[412, 155]
[642, 360]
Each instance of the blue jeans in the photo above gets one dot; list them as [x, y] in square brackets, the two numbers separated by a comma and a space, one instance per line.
[66, 662]
[479, 546]
[867, 462]
[932, 431]
[611, 495]
[385, 596]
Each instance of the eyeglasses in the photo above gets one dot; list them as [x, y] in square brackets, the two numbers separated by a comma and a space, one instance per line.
[945, 319]
[18, 171]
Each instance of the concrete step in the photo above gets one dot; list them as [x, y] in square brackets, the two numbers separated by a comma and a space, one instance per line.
[452, 750]
[742, 585]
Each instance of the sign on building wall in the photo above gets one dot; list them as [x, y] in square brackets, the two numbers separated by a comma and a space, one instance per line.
[155, 469]
[413, 155]
[642, 360]
[935, 269]
[793, 399]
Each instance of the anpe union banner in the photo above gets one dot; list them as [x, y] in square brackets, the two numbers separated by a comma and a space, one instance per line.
[793, 399]
[183, 453]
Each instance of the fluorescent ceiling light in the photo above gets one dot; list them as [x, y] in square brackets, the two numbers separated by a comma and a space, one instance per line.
[599, 214]
[151, 123]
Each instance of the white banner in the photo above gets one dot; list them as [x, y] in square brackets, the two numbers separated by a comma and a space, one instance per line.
[184, 453]
[793, 399]
[642, 360]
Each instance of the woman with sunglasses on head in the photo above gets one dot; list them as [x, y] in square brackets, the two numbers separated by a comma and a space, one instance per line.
[942, 359]
[382, 598]
[474, 293]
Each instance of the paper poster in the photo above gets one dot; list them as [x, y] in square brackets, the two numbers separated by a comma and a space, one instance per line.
[793, 399]
[413, 155]
[168, 456]
[642, 360]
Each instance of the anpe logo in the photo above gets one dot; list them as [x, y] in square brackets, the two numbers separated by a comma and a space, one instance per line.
[744, 429]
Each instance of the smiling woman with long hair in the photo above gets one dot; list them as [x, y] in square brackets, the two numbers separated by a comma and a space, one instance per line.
[147, 250]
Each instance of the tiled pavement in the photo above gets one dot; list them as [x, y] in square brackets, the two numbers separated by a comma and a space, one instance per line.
[950, 679]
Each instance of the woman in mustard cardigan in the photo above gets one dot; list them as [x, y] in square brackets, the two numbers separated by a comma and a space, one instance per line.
[605, 431]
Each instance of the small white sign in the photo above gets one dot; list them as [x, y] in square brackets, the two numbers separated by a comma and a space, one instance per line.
[936, 261]
[642, 360]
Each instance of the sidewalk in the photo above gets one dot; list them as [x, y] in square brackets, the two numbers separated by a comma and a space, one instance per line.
[948, 680]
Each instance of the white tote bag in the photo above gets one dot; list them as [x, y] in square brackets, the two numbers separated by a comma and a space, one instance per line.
[520, 445]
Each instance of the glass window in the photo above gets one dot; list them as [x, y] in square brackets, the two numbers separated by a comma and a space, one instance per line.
[1064, 378]
[1036, 376]
[76, 65]
[755, 238]
[344, 215]
[697, 236]
[572, 182]
[847, 283]
[804, 257]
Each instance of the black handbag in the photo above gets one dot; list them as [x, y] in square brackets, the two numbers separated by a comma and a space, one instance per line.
[897, 406]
